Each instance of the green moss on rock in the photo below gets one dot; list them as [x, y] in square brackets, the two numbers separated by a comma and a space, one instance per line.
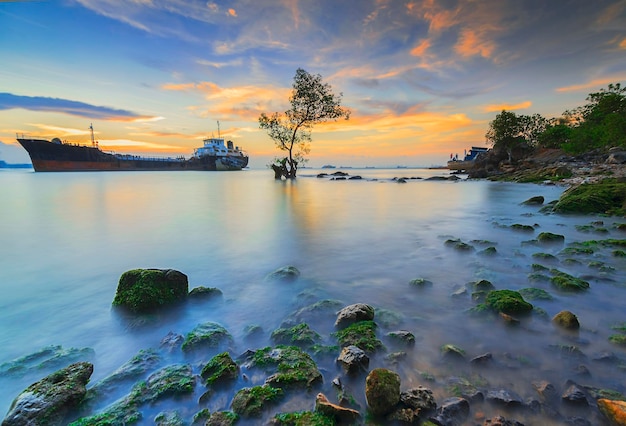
[303, 418]
[299, 335]
[532, 293]
[382, 391]
[508, 302]
[220, 369]
[522, 228]
[420, 282]
[550, 238]
[250, 402]
[567, 282]
[607, 196]
[566, 319]
[143, 290]
[291, 366]
[361, 334]
[205, 335]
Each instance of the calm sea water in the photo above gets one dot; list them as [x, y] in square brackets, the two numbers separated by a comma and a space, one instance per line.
[67, 238]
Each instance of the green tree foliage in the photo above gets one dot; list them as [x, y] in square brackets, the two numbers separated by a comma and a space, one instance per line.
[512, 133]
[599, 124]
[312, 102]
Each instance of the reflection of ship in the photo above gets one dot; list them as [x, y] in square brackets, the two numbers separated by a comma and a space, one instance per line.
[468, 161]
[57, 156]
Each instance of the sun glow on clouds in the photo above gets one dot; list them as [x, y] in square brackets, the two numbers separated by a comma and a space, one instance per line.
[593, 84]
[123, 144]
[508, 107]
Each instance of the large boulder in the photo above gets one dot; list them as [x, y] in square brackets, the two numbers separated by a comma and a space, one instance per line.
[143, 290]
[49, 400]
[354, 313]
[615, 411]
[382, 391]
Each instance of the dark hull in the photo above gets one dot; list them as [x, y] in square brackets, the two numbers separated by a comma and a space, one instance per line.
[56, 157]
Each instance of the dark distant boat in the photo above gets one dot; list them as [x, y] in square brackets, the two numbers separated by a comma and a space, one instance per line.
[328, 166]
[467, 162]
[58, 156]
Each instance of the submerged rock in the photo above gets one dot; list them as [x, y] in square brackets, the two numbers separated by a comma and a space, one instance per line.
[285, 273]
[293, 367]
[535, 201]
[143, 290]
[299, 335]
[49, 400]
[353, 359]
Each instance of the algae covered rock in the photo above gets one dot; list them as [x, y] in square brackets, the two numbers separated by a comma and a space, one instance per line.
[567, 282]
[566, 319]
[534, 201]
[607, 196]
[508, 302]
[250, 402]
[298, 335]
[45, 360]
[361, 334]
[382, 391]
[292, 366]
[49, 400]
[220, 369]
[143, 290]
[550, 238]
[209, 334]
[222, 418]
[285, 274]
[205, 292]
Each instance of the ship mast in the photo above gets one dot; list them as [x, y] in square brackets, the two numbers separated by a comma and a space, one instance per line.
[93, 143]
[218, 130]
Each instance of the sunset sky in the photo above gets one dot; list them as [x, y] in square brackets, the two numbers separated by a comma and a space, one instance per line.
[423, 79]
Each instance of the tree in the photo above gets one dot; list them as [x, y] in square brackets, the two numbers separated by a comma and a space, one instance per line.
[312, 102]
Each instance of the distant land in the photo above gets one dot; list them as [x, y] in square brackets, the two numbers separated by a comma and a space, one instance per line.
[5, 165]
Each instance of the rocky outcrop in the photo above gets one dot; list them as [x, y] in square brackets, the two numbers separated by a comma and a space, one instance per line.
[340, 414]
[353, 359]
[48, 401]
[143, 290]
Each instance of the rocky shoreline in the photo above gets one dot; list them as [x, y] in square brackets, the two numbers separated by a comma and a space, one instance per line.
[290, 368]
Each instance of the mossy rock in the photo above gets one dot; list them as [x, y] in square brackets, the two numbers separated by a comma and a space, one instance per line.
[546, 257]
[292, 367]
[537, 277]
[574, 250]
[618, 339]
[168, 418]
[303, 418]
[362, 335]
[483, 285]
[532, 293]
[221, 369]
[420, 283]
[539, 268]
[459, 245]
[522, 228]
[534, 201]
[606, 197]
[201, 417]
[567, 282]
[550, 238]
[489, 251]
[143, 290]
[251, 402]
[173, 380]
[566, 319]
[382, 391]
[285, 274]
[388, 318]
[222, 418]
[46, 359]
[618, 253]
[450, 351]
[207, 335]
[508, 302]
[403, 337]
[205, 292]
[299, 335]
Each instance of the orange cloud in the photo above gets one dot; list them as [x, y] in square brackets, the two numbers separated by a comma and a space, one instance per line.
[232, 13]
[593, 84]
[622, 44]
[421, 48]
[508, 107]
[472, 43]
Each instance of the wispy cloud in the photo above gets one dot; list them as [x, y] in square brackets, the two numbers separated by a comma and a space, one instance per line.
[593, 84]
[80, 109]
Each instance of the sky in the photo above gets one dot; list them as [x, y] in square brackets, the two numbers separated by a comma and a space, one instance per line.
[422, 78]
